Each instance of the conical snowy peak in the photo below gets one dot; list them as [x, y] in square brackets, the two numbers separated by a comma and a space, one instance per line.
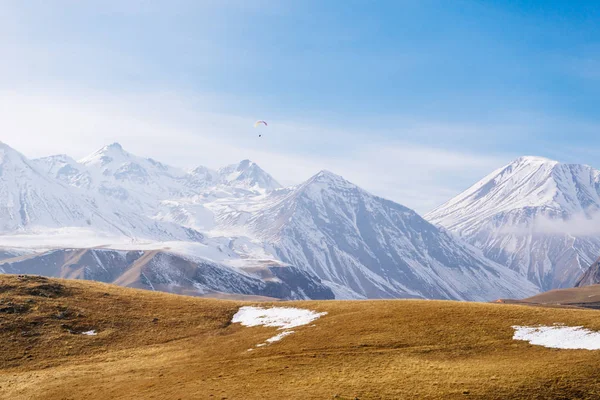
[527, 215]
[247, 174]
[112, 153]
[202, 177]
[528, 182]
[375, 247]
[329, 178]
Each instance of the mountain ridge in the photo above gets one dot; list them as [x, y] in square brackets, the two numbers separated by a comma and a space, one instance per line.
[239, 216]
[534, 215]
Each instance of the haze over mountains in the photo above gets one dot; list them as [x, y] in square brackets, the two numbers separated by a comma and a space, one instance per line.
[331, 237]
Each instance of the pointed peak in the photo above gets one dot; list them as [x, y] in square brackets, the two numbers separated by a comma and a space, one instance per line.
[328, 174]
[249, 174]
[106, 154]
[244, 164]
[534, 160]
[114, 146]
[328, 179]
[325, 175]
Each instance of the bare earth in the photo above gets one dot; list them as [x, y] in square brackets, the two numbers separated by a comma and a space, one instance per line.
[160, 346]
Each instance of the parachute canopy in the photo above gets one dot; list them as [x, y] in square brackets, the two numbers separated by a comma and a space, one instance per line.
[257, 123]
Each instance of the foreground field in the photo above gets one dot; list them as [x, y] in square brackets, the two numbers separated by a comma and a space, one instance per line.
[159, 346]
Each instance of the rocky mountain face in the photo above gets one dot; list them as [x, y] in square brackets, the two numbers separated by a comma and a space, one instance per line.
[164, 271]
[591, 276]
[536, 216]
[233, 230]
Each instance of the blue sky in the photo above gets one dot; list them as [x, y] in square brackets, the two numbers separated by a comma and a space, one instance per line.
[413, 100]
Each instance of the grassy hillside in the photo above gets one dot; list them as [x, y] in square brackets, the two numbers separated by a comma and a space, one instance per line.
[155, 345]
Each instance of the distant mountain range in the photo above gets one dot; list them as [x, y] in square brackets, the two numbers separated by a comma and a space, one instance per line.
[232, 230]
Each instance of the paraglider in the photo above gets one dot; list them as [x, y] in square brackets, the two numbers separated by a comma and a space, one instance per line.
[257, 123]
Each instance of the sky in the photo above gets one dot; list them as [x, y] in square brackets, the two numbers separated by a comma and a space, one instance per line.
[413, 100]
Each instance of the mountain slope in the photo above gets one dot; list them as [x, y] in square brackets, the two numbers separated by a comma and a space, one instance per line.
[591, 276]
[29, 199]
[374, 247]
[533, 215]
[168, 272]
[249, 175]
[359, 245]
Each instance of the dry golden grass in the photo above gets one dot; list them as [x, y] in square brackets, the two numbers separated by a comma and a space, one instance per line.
[160, 346]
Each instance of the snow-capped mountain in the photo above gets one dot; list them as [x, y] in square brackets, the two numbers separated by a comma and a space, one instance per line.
[534, 215]
[238, 218]
[30, 199]
[375, 247]
[248, 175]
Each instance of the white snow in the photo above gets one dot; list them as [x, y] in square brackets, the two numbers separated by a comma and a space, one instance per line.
[281, 317]
[537, 216]
[559, 337]
[359, 245]
[89, 333]
[280, 336]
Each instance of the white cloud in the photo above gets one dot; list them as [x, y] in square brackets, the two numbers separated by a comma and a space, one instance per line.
[578, 225]
[177, 131]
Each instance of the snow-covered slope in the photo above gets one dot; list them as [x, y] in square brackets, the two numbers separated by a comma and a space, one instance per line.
[240, 218]
[249, 175]
[29, 199]
[534, 215]
[371, 246]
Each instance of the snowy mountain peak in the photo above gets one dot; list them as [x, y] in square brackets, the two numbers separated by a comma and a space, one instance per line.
[533, 215]
[565, 189]
[245, 164]
[247, 174]
[534, 160]
[328, 176]
[328, 180]
[114, 146]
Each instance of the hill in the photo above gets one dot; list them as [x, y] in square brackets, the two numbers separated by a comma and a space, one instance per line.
[142, 344]
[585, 297]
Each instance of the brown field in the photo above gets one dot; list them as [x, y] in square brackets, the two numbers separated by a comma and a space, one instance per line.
[161, 346]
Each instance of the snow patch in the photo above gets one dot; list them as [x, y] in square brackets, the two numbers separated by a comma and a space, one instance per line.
[281, 317]
[89, 333]
[559, 337]
[280, 336]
